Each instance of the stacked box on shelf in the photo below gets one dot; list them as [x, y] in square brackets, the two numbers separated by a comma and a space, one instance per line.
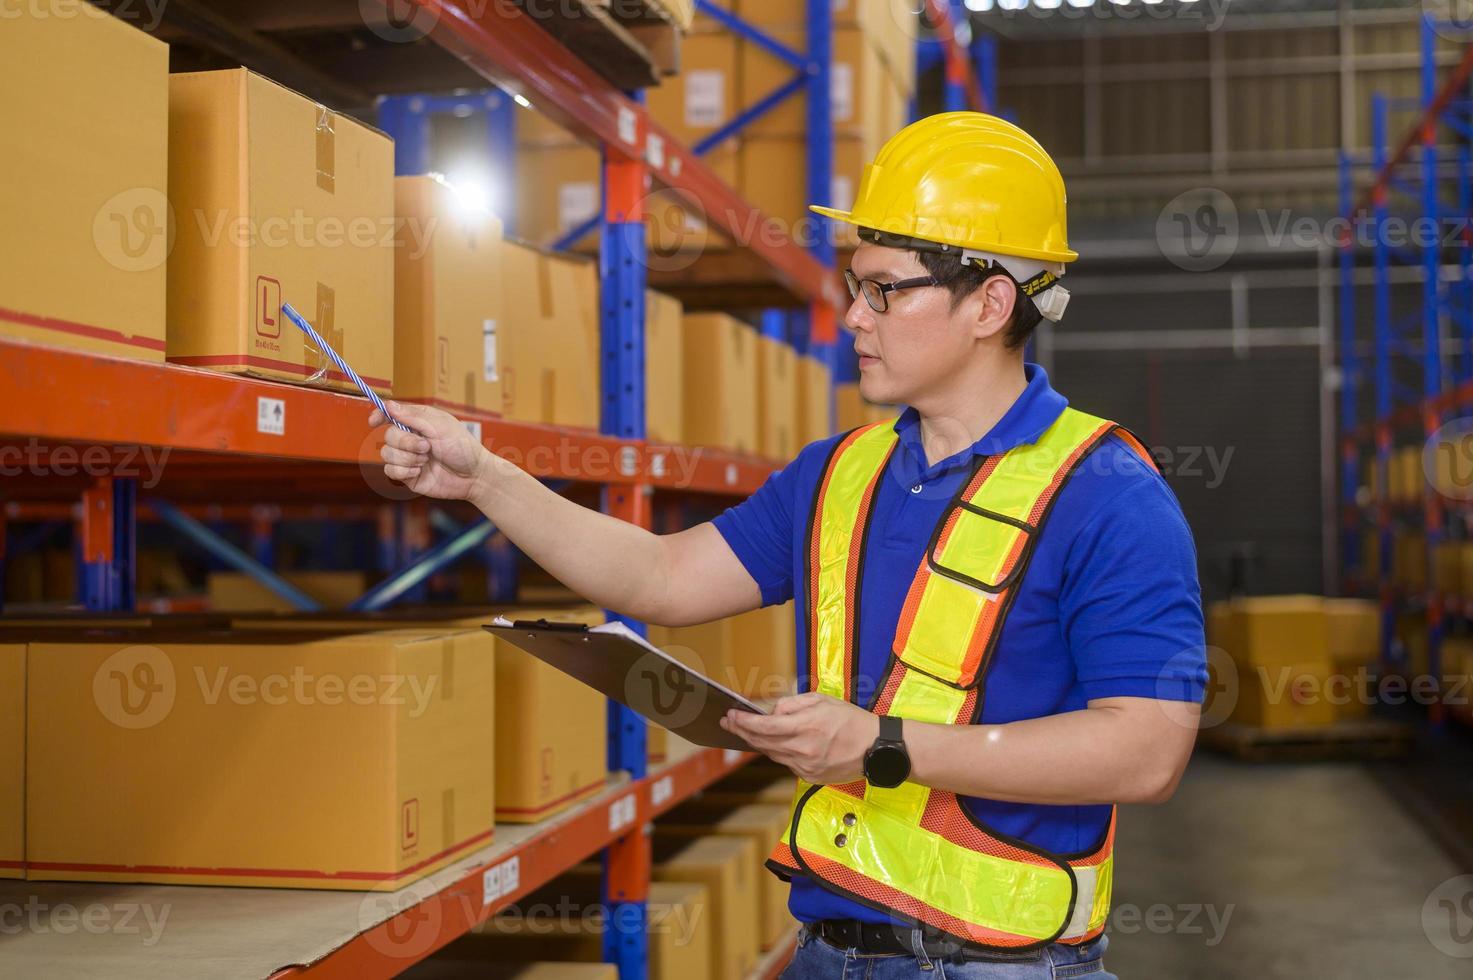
[551, 736]
[1447, 567]
[278, 201]
[761, 658]
[12, 760]
[720, 355]
[763, 825]
[1457, 670]
[872, 74]
[1465, 569]
[777, 400]
[1353, 639]
[84, 218]
[448, 298]
[279, 759]
[1406, 477]
[679, 927]
[1409, 561]
[239, 592]
[815, 385]
[853, 410]
[664, 368]
[726, 866]
[550, 345]
[1411, 635]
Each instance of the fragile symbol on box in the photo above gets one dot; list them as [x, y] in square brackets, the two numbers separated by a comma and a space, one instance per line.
[501, 879]
[271, 416]
[621, 812]
[268, 307]
[409, 833]
[662, 790]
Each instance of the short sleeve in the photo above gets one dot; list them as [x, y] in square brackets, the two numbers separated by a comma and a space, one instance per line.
[760, 529]
[1130, 605]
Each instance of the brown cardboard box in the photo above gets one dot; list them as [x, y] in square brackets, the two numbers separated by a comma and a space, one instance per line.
[1353, 631]
[726, 867]
[1284, 695]
[238, 592]
[770, 177]
[853, 411]
[551, 340]
[761, 657]
[343, 762]
[761, 823]
[1409, 561]
[679, 928]
[12, 760]
[704, 647]
[858, 103]
[1278, 631]
[703, 97]
[448, 296]
[664, 368]
[83, 206]
[777, 400]
[720, 355]
[1446, 568]
[278, 200]
[551, 733]
[678, 225]
[815, 392]
[891, 26]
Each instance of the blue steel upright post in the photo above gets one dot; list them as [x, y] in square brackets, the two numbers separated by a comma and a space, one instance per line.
[1381, 251]
[1431, 414]
[622, 268]
[823, 318]
[1350, 379]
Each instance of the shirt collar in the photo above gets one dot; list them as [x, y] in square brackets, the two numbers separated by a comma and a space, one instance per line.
[1037, 408]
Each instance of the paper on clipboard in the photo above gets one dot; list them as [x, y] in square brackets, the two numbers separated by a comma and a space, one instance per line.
[627, 668]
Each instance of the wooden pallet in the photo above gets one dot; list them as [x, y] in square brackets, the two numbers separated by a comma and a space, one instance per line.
[1371, 739]
[632, 43]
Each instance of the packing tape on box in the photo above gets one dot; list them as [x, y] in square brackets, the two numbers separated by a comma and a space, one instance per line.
[326, 150]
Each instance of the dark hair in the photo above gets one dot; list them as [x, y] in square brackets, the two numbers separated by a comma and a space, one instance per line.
[961, 280]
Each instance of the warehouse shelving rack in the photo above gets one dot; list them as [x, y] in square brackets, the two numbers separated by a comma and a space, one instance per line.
[1423, 179]
[232, 436]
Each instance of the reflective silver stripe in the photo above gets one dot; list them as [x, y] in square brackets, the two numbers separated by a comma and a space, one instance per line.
[1078, 925]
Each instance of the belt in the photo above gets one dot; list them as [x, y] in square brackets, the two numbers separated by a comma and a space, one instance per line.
[879, 939]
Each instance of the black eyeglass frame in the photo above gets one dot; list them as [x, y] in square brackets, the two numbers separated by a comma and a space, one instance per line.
[883, 289]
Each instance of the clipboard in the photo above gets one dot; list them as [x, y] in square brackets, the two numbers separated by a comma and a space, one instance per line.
[627, 668]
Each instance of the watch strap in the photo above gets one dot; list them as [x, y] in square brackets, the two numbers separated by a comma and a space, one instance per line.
[890, 730]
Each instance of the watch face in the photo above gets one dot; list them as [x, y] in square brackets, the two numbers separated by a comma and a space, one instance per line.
[886, 766]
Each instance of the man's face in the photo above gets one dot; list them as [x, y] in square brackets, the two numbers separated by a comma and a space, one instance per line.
[919, 342]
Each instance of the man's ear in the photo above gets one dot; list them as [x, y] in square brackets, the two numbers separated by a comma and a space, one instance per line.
[992, 306]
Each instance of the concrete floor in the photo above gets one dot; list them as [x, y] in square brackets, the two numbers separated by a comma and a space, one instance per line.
[1292, 871]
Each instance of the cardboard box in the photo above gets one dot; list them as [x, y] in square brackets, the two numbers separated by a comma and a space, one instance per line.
[770, 177]
[270, 759]
[12, 760]
[679, 928]
[720, 382]
[238, 592]
[763, 824]
[664, 368]
[704, 96]
[551, 744]
[278, 200]
[858, 83]
[891, 26]
[1353, 631]
[777, 399]
[1278, 631]
[853, 411]
[551, 340]
[815, 392]
[84, 216]
[725, 866]
[1446, 568]
[761, 657]
[1284, 695]
[448, 296]
[704, 647]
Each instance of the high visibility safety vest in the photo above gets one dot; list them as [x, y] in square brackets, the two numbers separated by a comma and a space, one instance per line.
[915, 852]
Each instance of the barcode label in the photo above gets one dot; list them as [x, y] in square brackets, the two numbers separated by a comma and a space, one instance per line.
[661, 791]
[501, 879]
[621, 812]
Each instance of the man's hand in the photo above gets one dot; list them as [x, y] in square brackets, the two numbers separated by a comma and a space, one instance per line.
[821, 739]
[439, 459]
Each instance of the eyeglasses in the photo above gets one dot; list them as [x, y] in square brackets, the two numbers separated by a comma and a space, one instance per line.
[877, 294]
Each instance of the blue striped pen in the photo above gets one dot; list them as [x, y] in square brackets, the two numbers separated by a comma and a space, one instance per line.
[316, 337]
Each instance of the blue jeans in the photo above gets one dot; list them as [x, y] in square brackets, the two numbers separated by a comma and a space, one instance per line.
[815, 959]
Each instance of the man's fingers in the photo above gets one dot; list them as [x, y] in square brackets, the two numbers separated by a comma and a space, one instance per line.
[376, 419]
[796, 702]
[409, 442]
[403, 474]
[401, 458]
[770, 726]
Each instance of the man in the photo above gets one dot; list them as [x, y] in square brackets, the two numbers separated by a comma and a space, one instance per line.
[1003, 591]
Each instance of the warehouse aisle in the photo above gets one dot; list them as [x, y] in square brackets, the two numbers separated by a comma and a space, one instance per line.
[1288, 871]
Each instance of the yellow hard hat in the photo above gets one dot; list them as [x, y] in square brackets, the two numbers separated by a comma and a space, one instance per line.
[966, 180]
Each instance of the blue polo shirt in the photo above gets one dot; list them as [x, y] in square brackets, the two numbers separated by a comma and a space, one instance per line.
[1108, 607]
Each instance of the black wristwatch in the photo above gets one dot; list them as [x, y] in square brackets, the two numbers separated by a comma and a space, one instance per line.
[887, 764]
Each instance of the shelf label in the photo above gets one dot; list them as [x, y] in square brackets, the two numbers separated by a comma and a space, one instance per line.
[474, 428]
[628, 461]
[663, 789]
[621, 812]
[731, 756]
[731, 474]
[705, 97]
[501, 879]
[271, 416]
[654, 151]
[628, 126]
[657, 466]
